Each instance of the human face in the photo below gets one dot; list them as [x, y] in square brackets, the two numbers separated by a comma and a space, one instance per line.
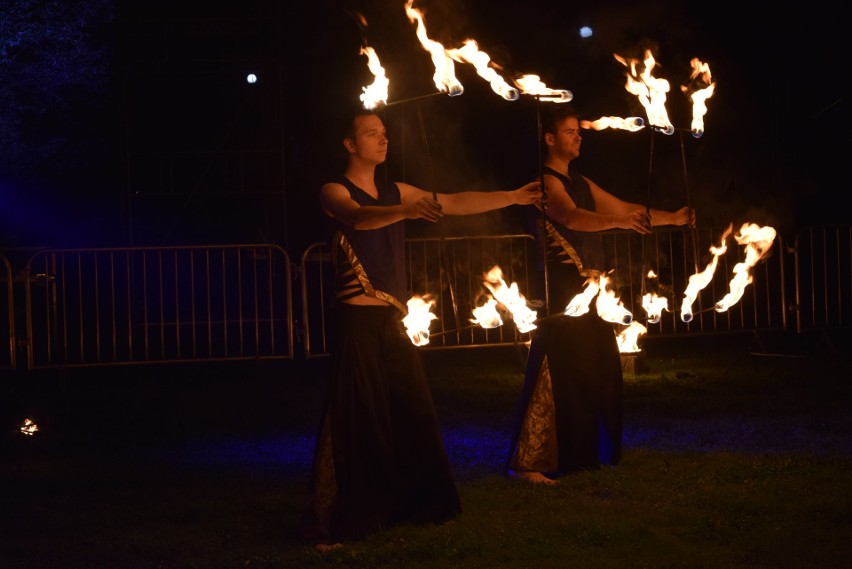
[370, 143]
[566, 141]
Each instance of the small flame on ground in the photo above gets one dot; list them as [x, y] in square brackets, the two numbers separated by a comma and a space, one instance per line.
[29, 427]
[418, 319]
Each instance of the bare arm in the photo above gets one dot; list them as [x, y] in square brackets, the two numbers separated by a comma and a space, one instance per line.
[336, 203]
[467, 203]
[611, 212]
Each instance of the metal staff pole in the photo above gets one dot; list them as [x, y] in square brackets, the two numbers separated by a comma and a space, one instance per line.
[688, 202]
[442, 258]
[648, 212]
[543, 229]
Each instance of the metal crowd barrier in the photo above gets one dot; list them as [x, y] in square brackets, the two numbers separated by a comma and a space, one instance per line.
[450, 271]
[89, 307]
[674, 255]
[823, 272]
[136, 305]
[8, 359]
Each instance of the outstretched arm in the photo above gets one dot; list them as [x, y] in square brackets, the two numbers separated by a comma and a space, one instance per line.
[628, 215]
[467, 203]
[337, 203]
[610, 212]
[682, 216]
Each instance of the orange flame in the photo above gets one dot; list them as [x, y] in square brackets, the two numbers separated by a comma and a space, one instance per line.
[650, 90]
[579, 305]
[418, 319]
[445, 73]
[654, 306]
[757, 241]
[607, 305]
[700, 89]
[376, 93]
[630, 123]
[533, 85]
[610, 307]
[511, 298]
[29, 427]
[486, 315]
[698, 281]
[628, 338]
[470, 53]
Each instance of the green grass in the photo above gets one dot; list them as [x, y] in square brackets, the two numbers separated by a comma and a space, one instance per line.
[731, 460]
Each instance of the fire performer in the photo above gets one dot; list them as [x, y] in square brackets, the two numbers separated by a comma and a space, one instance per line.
[380, 458]
[570, 413]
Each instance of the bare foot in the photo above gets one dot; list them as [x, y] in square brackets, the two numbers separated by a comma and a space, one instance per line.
[534, 477]
[326, 547]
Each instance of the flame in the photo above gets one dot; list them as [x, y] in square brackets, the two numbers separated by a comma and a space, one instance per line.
[609, 307]
[654, 306]
[700, 89]
[628, 338]
[650, 90]
[533, 85]
[579, 305]
[698, 281]
[418, 318]
[445, 73]
[757, 241]
[652, 303]
[29, 428]
[511, 298]
[486, 315]
[470, 53]
[630, 123]
[376, 93]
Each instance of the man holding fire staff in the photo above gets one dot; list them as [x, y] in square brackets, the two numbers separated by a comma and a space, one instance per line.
[379, 458]
[570, 413]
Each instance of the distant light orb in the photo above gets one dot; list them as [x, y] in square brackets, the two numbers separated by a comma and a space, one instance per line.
[585, 32]
[251, 78]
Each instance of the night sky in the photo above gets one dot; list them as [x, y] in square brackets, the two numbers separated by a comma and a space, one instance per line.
[148, 132]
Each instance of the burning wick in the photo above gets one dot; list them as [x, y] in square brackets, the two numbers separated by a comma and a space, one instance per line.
[418, 319]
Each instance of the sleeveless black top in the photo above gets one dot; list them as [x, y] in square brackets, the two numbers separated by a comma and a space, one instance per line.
[371, 261]
[582, 248]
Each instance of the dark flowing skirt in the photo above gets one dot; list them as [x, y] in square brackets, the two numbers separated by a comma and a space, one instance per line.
[570, 415]
[380, 458]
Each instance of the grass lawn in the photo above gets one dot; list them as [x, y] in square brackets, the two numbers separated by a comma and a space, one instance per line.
[733, 458]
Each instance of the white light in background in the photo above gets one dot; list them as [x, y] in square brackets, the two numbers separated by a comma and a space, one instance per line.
[585, 32]
[251, 78]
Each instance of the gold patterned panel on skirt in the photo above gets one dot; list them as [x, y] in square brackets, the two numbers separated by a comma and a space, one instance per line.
[537, 450]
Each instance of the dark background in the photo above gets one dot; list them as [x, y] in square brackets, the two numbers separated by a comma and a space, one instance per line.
[131, 123]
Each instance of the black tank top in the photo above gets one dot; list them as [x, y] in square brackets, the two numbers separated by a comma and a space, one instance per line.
[375, 256]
